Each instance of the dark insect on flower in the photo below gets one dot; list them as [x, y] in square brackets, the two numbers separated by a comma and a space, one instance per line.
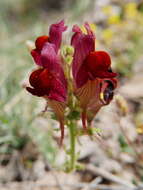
[48, 80]
[94, 80]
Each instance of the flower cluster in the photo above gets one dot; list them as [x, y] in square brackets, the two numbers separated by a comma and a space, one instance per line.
[92, 73]
[92, 78]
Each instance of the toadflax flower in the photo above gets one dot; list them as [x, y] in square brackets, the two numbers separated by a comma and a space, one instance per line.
[94, 80]
[48, 79]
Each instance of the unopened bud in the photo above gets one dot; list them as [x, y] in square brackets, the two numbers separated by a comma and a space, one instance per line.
[67, 50]
[67, 54]
[70, 50]
[68, 60]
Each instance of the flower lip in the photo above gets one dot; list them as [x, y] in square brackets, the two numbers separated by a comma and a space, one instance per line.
[40, 80]
[40, 41]
[98, 64]
[41, 77]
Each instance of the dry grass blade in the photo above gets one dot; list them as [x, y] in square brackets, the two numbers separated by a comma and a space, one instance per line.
[110, 177]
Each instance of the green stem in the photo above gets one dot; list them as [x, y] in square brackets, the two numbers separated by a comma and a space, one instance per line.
[72, 145]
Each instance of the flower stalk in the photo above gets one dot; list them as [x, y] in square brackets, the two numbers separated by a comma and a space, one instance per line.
[72, 130]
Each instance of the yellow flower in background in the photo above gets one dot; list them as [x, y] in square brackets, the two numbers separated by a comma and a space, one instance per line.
[108, 10]
[140, 129]
[112, 15]
[107, 34]
[131, 10]
[115, 19]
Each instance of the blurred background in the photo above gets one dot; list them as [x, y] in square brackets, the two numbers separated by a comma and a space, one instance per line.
[27, 146]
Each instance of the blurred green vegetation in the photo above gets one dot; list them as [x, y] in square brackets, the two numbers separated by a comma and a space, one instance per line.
[19, 110]
[120, 32]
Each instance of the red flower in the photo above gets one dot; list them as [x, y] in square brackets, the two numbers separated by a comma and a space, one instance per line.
[93, 77]
[49, 81]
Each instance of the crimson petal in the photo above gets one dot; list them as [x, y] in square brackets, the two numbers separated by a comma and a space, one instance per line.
[37, 57]
[51, 61]
[55, 34]
[83, 45]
